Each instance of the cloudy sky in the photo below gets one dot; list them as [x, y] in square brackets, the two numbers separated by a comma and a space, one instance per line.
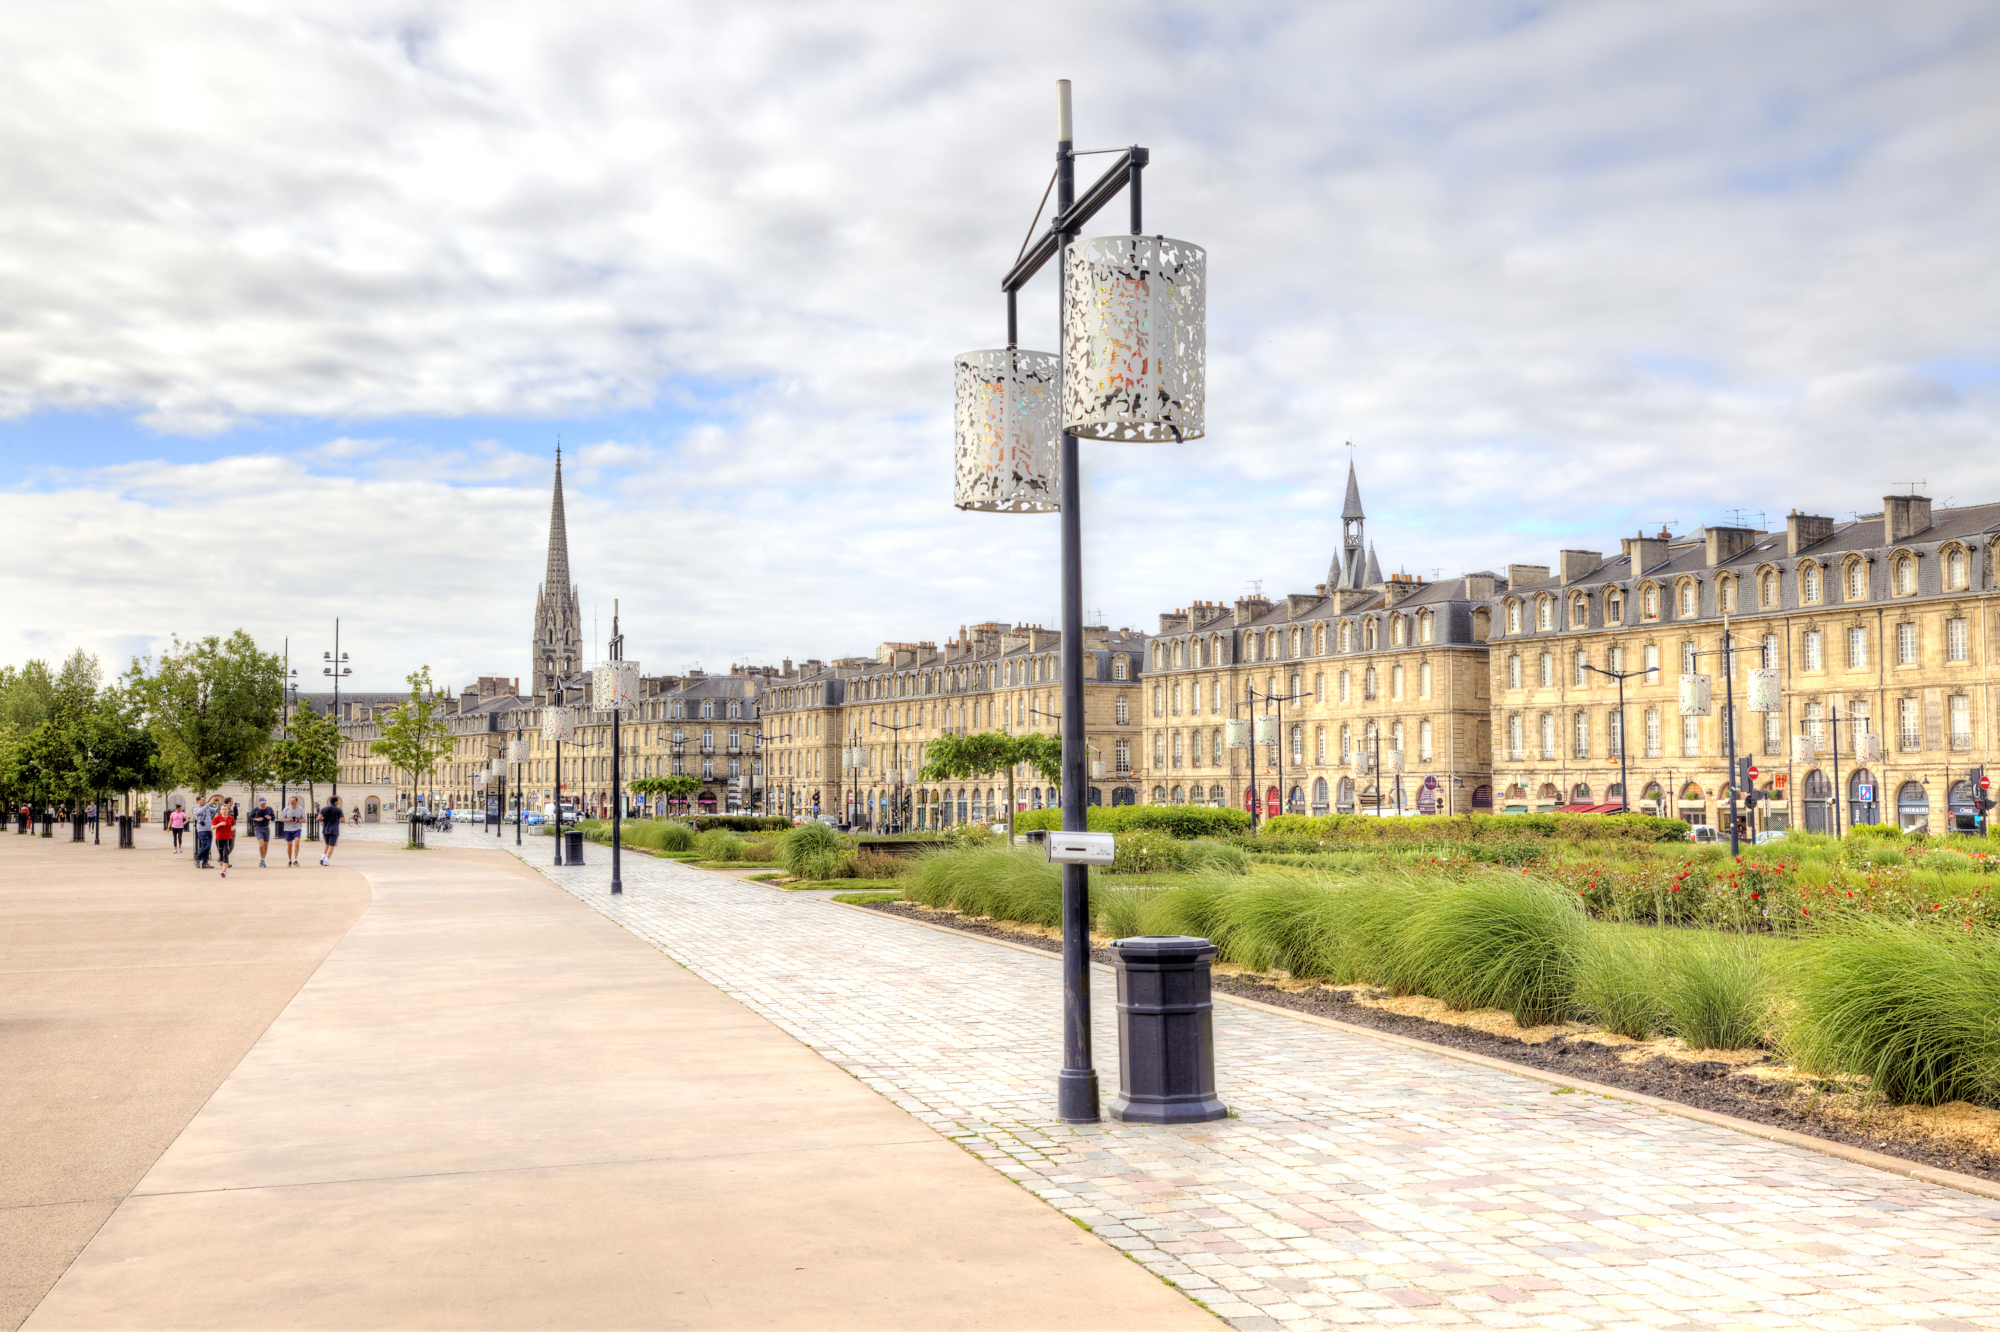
[295, 301]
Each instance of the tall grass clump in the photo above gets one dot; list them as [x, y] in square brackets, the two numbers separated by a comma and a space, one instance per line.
[810, 850]
[1211, 857]
[1504, 941]
[673, 838]
[718, 845]
[1618, 983]
[1717, 988]
[1914, 1008]
[990, 879]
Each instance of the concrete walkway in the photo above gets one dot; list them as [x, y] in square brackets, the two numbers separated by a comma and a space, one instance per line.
[130, 985]
[491, 1106]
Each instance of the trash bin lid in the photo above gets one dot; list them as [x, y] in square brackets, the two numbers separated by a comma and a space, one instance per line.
[1163, 948]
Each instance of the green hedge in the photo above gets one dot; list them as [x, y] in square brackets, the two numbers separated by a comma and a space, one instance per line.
[739, 823]
[1185, 821]
[1478, 827]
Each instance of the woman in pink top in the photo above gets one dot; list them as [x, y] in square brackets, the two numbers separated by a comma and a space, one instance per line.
[178, 821]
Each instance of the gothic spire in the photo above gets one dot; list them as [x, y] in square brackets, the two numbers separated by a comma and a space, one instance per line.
[556, 581]
[1352, 508]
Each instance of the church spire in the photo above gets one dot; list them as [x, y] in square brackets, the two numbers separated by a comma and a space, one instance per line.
[1349, 568]
[558, 572]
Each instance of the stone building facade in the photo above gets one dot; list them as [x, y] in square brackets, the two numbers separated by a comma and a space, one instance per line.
[1881, 629]
[1349, 683]
[848, 737]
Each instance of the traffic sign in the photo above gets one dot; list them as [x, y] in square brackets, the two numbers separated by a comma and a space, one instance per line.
[1752, 770]
[1985, 783]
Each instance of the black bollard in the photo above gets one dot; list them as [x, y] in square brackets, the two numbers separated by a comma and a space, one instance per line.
[1166, 1031]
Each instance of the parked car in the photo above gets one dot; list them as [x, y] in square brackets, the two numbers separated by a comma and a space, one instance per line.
[1770, 835]
[531, 818]
[1702, 832]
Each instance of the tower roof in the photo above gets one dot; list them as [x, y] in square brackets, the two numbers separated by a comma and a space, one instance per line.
[1372, 577]
[1352, 507]
[556, 580]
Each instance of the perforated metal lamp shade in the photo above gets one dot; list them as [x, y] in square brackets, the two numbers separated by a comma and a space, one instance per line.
[517, 751]
[1765, 690]
[1135, 324]
[1004, 438]
[1695, 694]
[615, 684]
[558, 726]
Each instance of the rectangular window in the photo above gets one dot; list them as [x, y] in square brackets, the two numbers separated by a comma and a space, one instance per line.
[1652, 732]
[1424, 680]
[1857, 723]
[1123, 752]
[736, 767]
[1652, 663]
[1961, 721]
[1580, 726]
[1957, 642]
[708, 767]
[1812, 651]
[1616, 659]
[1194, 749]
[1513, 673]
[1688, 658]
[1910, 723]
[1906, 644]
[1159, 750]
[1582, 669]
[1857, 647]
[1548, 735]
[1690, 737]
[1122, 711]
[1774, 724]
[1514, 739]
[1616, 724]
[1547, 672]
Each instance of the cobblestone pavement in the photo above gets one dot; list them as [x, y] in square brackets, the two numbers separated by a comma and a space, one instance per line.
[1364, 1183]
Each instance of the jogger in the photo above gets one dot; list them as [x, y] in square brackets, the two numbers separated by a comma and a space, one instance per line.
[204, 832]
[329, 828]
[293, 822]
[261, 819]
[224, 828]
[177, 823]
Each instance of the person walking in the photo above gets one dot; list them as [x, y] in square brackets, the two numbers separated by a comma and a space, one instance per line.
[90, 818]
[224, 828]
[261, 819]
[330, 819]
[177, 822]
[293, 823]
[204, 831]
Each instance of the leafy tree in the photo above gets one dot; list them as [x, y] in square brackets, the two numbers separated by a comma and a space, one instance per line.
[415, 734]
[310, 755]
[212, 705]
[26, 695]
[677, 787]
[953, 758]
[119, 754]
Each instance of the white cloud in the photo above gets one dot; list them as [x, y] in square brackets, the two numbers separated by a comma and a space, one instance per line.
[1559, 271]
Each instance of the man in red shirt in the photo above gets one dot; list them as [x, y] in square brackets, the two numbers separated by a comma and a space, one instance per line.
[224, 828]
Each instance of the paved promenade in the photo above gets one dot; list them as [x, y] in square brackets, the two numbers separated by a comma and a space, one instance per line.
[489, 1106]
[1364, 1183]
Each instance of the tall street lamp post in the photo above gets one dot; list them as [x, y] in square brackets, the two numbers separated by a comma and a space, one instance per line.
[1624, 781]
[896, 759]
[337, 667]
[1131, 331]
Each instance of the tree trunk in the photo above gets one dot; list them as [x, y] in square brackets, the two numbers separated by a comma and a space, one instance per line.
[1010, 804]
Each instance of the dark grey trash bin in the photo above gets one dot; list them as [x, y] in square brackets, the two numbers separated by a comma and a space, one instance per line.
[76, 826]
[1166, 1031]
[124, 830]
[573, 842]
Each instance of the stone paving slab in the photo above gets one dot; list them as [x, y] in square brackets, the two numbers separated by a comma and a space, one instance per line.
[1363, 1183]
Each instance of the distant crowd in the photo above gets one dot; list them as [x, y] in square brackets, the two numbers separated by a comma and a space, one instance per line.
[215, 819]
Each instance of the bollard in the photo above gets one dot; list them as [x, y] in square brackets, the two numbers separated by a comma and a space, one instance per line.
[76, 826]
[48, 823]
[1166, 1031]
[124, 830]
[21, 823]
[574, 840]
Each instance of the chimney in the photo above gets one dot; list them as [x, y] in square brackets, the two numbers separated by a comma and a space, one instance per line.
[1577, 564]
[1096, 636]
[1249, 608]
[1174, 622]
[1904, 516]
[1399, 588]
[1298, 602]
[1643, 552]
[1726, 543]
[1517, 574]
[1479, 587]
[1319, 589]
[1803, 530]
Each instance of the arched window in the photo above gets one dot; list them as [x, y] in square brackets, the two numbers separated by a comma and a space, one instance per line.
[1545, 613]
[1614, 608]
[1857, 580]
[1513, 617]
[1368, 635]
[1767, 589]
[1118, 668]
[1297, 649]
[1272, 646]
[1690, 600]
[1346, 636]
[1955, 568]
[1725, 596]
[1906, 576]
[1809, 584]
[1649, 602]
[1424, 627]
[1579, 612]
[1396, 630]
[1319, 640]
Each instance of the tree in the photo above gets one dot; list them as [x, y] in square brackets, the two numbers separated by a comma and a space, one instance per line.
[310, 755]
[119, 754]
[212, 705]
[677, 787]
[415, 735]
[953, 758]
[26, 695]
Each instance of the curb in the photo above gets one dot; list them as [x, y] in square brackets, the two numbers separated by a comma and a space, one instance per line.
[1895, 1165]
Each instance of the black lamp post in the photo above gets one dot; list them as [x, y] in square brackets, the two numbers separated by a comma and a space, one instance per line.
[1624, 781]
[337, 667]
[896, 759]
[1278, 739]
[1138, 304]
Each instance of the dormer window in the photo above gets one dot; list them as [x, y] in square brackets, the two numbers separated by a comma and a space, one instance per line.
[1545, 613]
[1513, 617]
[1649, 602]
[1118, 668]
[1809, 584]
[1725, 596]
[1857, 580]
[1690, 600]
[1614, 608]
[1767, 590]
[1906, 576]
[1396, 630]
[1424, 627]
[1955, 569]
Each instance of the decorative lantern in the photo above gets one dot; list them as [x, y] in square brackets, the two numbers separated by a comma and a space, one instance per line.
[1135, 325]
[1267, 730]
[1005, 440]
[1097, 768]
[1764, 690]
[1805, 749]
[517, 751]
[558, 724]
[1868, 747]
[1237, 733]
[1392, 762]
[615, 684]
[499, 768]
[1695, 695]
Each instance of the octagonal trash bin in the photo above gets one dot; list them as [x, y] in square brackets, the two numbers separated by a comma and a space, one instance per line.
[573, 847]
[1166, 1031]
